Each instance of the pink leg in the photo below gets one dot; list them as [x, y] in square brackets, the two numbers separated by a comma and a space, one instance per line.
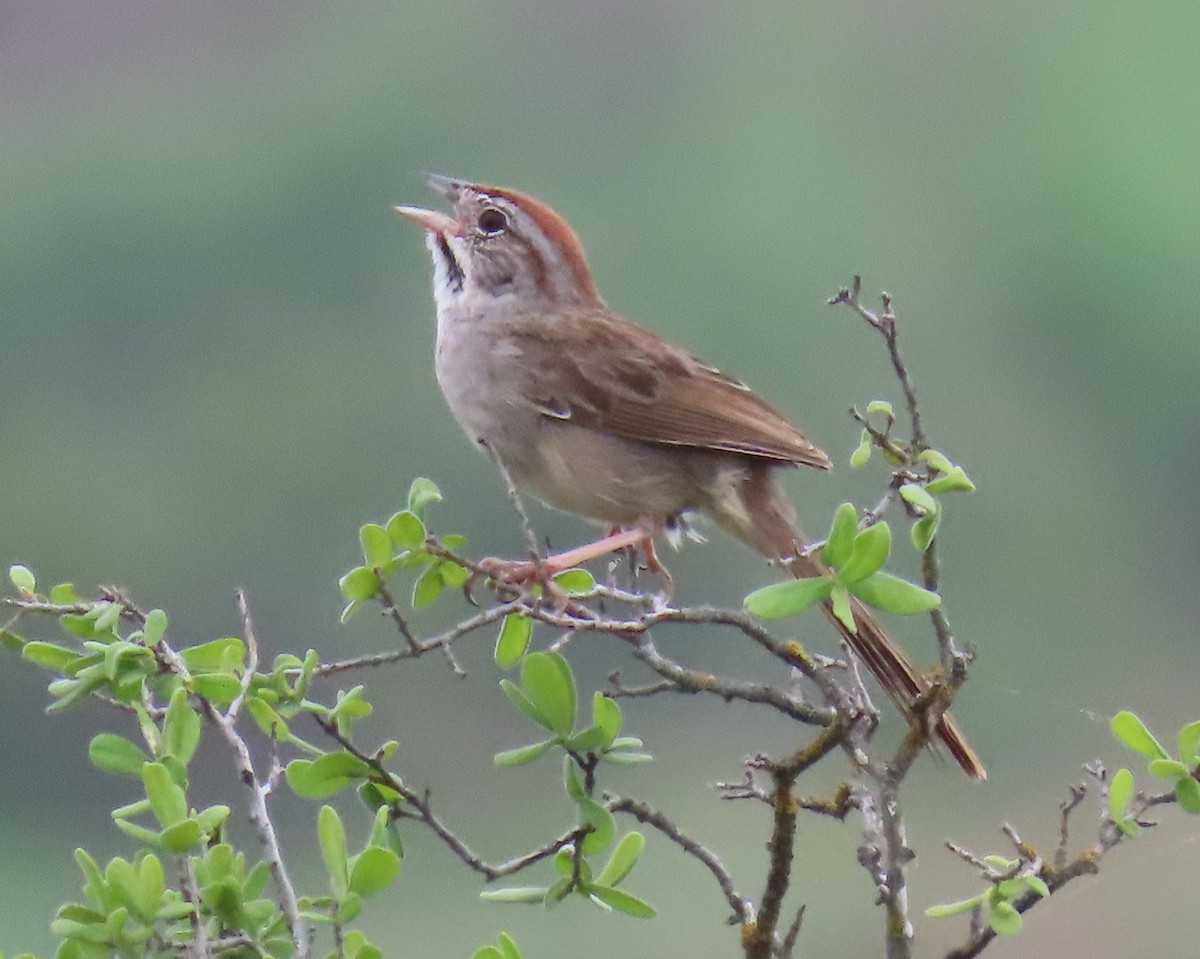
[518, 571]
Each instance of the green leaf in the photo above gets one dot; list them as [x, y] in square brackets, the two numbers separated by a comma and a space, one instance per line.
[523, 754]
[1187, 791]
[508, 947]
[140, 834]
[267, 719]
[936, 461]
[1010, 888]
[841, 535]
[607, 715]
[376, 545]
[1189, 743]
[626, 759]
[1120, 791]
[557, 892]
[428, 587]
[326, 775]
[924, 530]
[151, 887]
[332, 837]
[356, 946]
[48, 655]
[167, 800]
[1168, 768]
[116, 754]
[155, 628]
[183, 836]
[624, 857]
[916, 496]
[220, 689]
[181, 727]
[1038, 885]
[604, 827]
[422, 492]
[862, 453]
[227, 655]
[453, 575]
[349, 908]
[360, 584]
[515, 632]
[64, 595]
[406, 530]
[575, 582]
[954, 908]
[956, 480]
[105, 616]
[789, 598]
[882, 407]
[896, 595]
[523, 702]
[840, 602]
[373, 870]
[550, 686]
[572, 780]
[622, 901]
[590, 740]
[384, 833]
[515, 894]
[212, 818]
[23, 579]
[487, 952]
[1132, 732]
[1003, 918]
[868, 553]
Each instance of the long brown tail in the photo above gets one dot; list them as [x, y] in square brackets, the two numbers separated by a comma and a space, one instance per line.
[761, 516]
[889, 665]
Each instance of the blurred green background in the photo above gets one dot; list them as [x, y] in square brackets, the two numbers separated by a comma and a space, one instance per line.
[215, 363]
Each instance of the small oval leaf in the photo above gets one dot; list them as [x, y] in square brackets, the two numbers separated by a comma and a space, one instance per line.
[515, 633]
[896, 595]
[789, 598]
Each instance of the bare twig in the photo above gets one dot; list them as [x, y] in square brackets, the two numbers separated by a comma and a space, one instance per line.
[235, 707]
[1064, 830]
[788, 946]
[191, 891]
[488, 616]
[760, 942]
[390, 610]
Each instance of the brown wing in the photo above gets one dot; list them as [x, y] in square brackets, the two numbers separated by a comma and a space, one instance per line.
[612, 375]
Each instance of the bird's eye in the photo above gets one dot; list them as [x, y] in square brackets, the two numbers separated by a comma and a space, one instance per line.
[492, 221]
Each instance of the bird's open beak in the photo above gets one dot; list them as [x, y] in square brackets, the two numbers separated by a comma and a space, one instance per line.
[431, 220]
[446, 186]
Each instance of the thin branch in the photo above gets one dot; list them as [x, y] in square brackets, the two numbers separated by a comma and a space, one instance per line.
[390, 610]
[258, 814]
[760, 942]
[1085, 863]
[191, 891]
[235, 707]
[488, 616]
[788, 946]
[421, 803]
[644, 813]
[260, 818]
[1064, 830]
